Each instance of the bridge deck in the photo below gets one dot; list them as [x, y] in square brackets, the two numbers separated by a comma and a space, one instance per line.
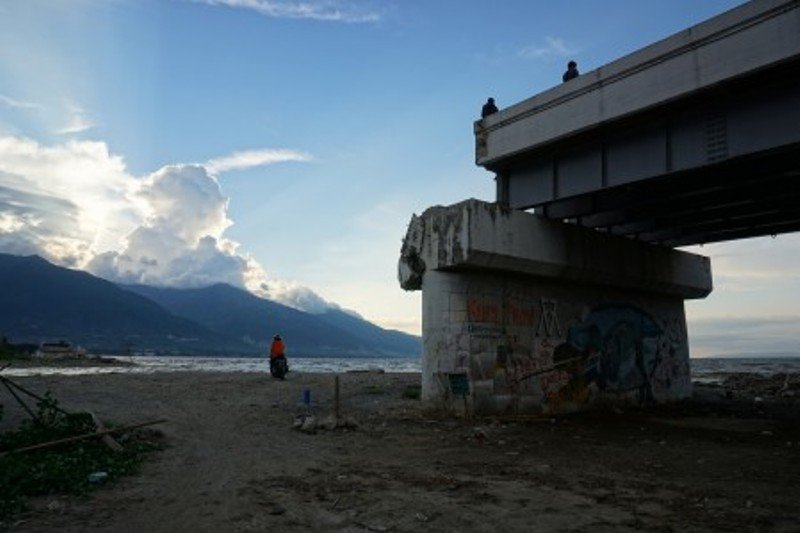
[692, 139]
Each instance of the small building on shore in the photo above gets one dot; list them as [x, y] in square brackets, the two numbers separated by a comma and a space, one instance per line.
[58, 350]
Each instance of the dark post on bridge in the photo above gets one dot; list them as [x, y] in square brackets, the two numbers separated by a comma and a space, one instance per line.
[569, 290]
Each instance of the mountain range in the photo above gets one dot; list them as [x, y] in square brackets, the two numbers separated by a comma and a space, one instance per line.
[40, 301]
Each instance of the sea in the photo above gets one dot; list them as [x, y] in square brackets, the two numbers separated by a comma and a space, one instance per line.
[704, 370]
[149, 364]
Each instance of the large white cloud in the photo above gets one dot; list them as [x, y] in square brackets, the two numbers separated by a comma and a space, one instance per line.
[179, 242]
[69, 200]
[76, 205]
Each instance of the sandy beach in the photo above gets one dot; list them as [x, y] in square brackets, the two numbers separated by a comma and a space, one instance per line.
[727, 460]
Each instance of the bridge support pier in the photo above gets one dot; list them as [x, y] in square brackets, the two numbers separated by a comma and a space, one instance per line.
[526, 315]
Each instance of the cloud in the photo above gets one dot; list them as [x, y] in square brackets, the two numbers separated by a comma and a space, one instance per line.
[332, 11]
[71, 117]
[11, 102]
[750, 265]
[77, 121]
[76, 205]
[180, 242]
[408, 325]
[254, 158]
[33, 223]
[75, 192]
[745, 336]
[553, 47]
[295, 295]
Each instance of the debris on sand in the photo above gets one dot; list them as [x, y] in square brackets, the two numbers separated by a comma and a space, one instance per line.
[310, 424]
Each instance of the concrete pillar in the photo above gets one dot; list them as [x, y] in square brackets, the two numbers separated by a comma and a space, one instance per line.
[525, 315]
[502, 190]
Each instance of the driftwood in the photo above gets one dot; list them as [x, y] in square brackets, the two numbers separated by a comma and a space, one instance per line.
[337, 411]
[85, 436]
[107, 439]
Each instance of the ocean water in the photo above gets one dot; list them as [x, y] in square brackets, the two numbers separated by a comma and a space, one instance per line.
[714, 369]
[151, 364]
[705, 370]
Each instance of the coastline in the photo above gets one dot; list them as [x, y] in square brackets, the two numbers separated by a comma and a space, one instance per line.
[234, 461]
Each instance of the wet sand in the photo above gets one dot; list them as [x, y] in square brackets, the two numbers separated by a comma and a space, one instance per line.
[234, 461]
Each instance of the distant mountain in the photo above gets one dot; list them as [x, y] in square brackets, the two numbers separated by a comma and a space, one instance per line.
[252, 320]
[380, 339]
[41, 301]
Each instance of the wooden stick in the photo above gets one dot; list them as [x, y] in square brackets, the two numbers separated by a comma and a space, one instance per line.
[83, 437]
[336, 405]
[108, 440]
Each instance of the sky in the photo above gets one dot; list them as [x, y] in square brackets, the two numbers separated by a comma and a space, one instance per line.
[282, 146]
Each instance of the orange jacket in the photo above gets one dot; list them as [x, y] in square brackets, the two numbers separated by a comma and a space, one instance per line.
[278, 349]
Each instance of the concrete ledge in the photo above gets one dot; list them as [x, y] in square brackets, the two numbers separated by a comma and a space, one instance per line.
[479, 235]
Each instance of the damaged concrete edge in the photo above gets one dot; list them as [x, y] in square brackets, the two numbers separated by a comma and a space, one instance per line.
[437, 238]
[411, 267]
[475, 234]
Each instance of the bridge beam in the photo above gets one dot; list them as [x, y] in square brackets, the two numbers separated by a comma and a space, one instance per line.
[526, 315]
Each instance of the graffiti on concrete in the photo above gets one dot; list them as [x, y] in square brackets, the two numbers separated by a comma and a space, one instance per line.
[518, 348]
[548, 320]
[612, 349]
[481, 311]
[617, 348]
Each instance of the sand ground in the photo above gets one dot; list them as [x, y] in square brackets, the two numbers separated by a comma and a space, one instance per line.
[234, 462]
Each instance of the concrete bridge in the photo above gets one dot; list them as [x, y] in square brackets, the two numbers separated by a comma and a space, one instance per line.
[692, 139]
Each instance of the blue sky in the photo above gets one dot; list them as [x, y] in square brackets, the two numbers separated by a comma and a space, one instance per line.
[283, 145]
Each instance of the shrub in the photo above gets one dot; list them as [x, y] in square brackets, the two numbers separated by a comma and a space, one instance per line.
[61, 469]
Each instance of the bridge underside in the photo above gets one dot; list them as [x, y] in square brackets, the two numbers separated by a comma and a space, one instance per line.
[722, 165]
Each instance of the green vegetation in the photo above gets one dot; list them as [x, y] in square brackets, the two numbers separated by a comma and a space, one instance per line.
[12, 352]
[7, 351]
[64, 469]
[412, 392]
[374, 389]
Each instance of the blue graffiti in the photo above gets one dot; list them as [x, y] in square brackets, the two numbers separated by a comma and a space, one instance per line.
[616, 346]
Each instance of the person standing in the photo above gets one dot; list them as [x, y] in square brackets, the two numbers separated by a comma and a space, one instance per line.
[572, 71]
[488, 108]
